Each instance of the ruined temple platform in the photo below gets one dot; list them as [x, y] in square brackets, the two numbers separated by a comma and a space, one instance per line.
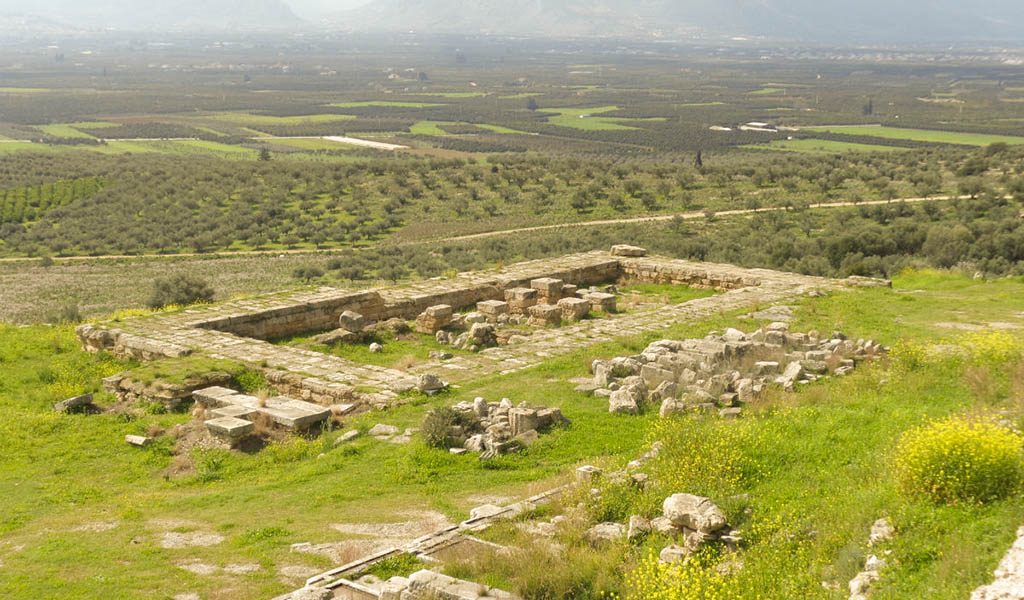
[244, 330]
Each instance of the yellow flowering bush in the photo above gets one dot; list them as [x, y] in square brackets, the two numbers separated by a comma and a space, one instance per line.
[992, 347]
[959, 460]
[693, 579]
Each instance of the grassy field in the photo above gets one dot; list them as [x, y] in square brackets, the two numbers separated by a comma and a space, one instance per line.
[588, 119]
[821, 461]
[812, 146]
[64, 130]
[429, 128]
[920, 135]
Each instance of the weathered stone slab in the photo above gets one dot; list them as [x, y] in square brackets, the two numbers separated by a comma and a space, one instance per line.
[231, 428]
[234, 410]
[215, 396]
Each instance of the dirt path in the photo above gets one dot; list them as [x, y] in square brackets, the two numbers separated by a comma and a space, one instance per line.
[688, 216]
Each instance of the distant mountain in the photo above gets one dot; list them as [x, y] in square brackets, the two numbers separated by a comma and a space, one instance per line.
[808, 20]
[157, 15]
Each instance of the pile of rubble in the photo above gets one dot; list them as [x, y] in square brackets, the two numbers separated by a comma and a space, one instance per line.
[493, 428]
[690, 521]
[547, 302]
[724, 372]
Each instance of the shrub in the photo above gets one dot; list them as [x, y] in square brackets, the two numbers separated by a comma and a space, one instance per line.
[308, 273]
[180, 290]
[437, 425]
[959, 460]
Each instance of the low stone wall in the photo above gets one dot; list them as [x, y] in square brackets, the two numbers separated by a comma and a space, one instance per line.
[297, 319]
[653, 270]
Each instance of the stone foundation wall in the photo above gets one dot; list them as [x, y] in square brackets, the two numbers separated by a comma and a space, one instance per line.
[298, 319]
[679, 273]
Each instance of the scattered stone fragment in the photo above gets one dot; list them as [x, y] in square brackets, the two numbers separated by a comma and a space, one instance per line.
[73, 404]
[352, 321]
[376, 348]
[381, 430]
[430, 384]
[605, 532]
[673, 554]
[138, 440]
[638, 527]
[881, 531]
[628, 251]
[348, 436]
[693, 512]
[588, 475]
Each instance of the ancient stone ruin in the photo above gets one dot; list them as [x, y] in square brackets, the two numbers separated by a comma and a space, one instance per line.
[724, 372]
[233, 416]
[493, 428]
[508, 316]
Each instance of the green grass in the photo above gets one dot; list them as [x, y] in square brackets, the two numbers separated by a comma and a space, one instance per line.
[920, 135]
[405, 350]
[23, 90]
[819, 475]
[812, 146]
[767, 91]
[64, 130]
[429, 128]
[385, 104]
[665, 293]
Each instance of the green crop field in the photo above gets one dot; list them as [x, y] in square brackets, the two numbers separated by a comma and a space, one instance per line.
[920, 135]
[588, 119]
[64, 130]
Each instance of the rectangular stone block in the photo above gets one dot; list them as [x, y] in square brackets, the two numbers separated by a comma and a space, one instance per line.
[294, 414]
[439, 311]
[434, 319]
[549, 289]
[573, 309]
[601, 301]
[230, 427]
[493, 308]
[545, 314]
[520, 300]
